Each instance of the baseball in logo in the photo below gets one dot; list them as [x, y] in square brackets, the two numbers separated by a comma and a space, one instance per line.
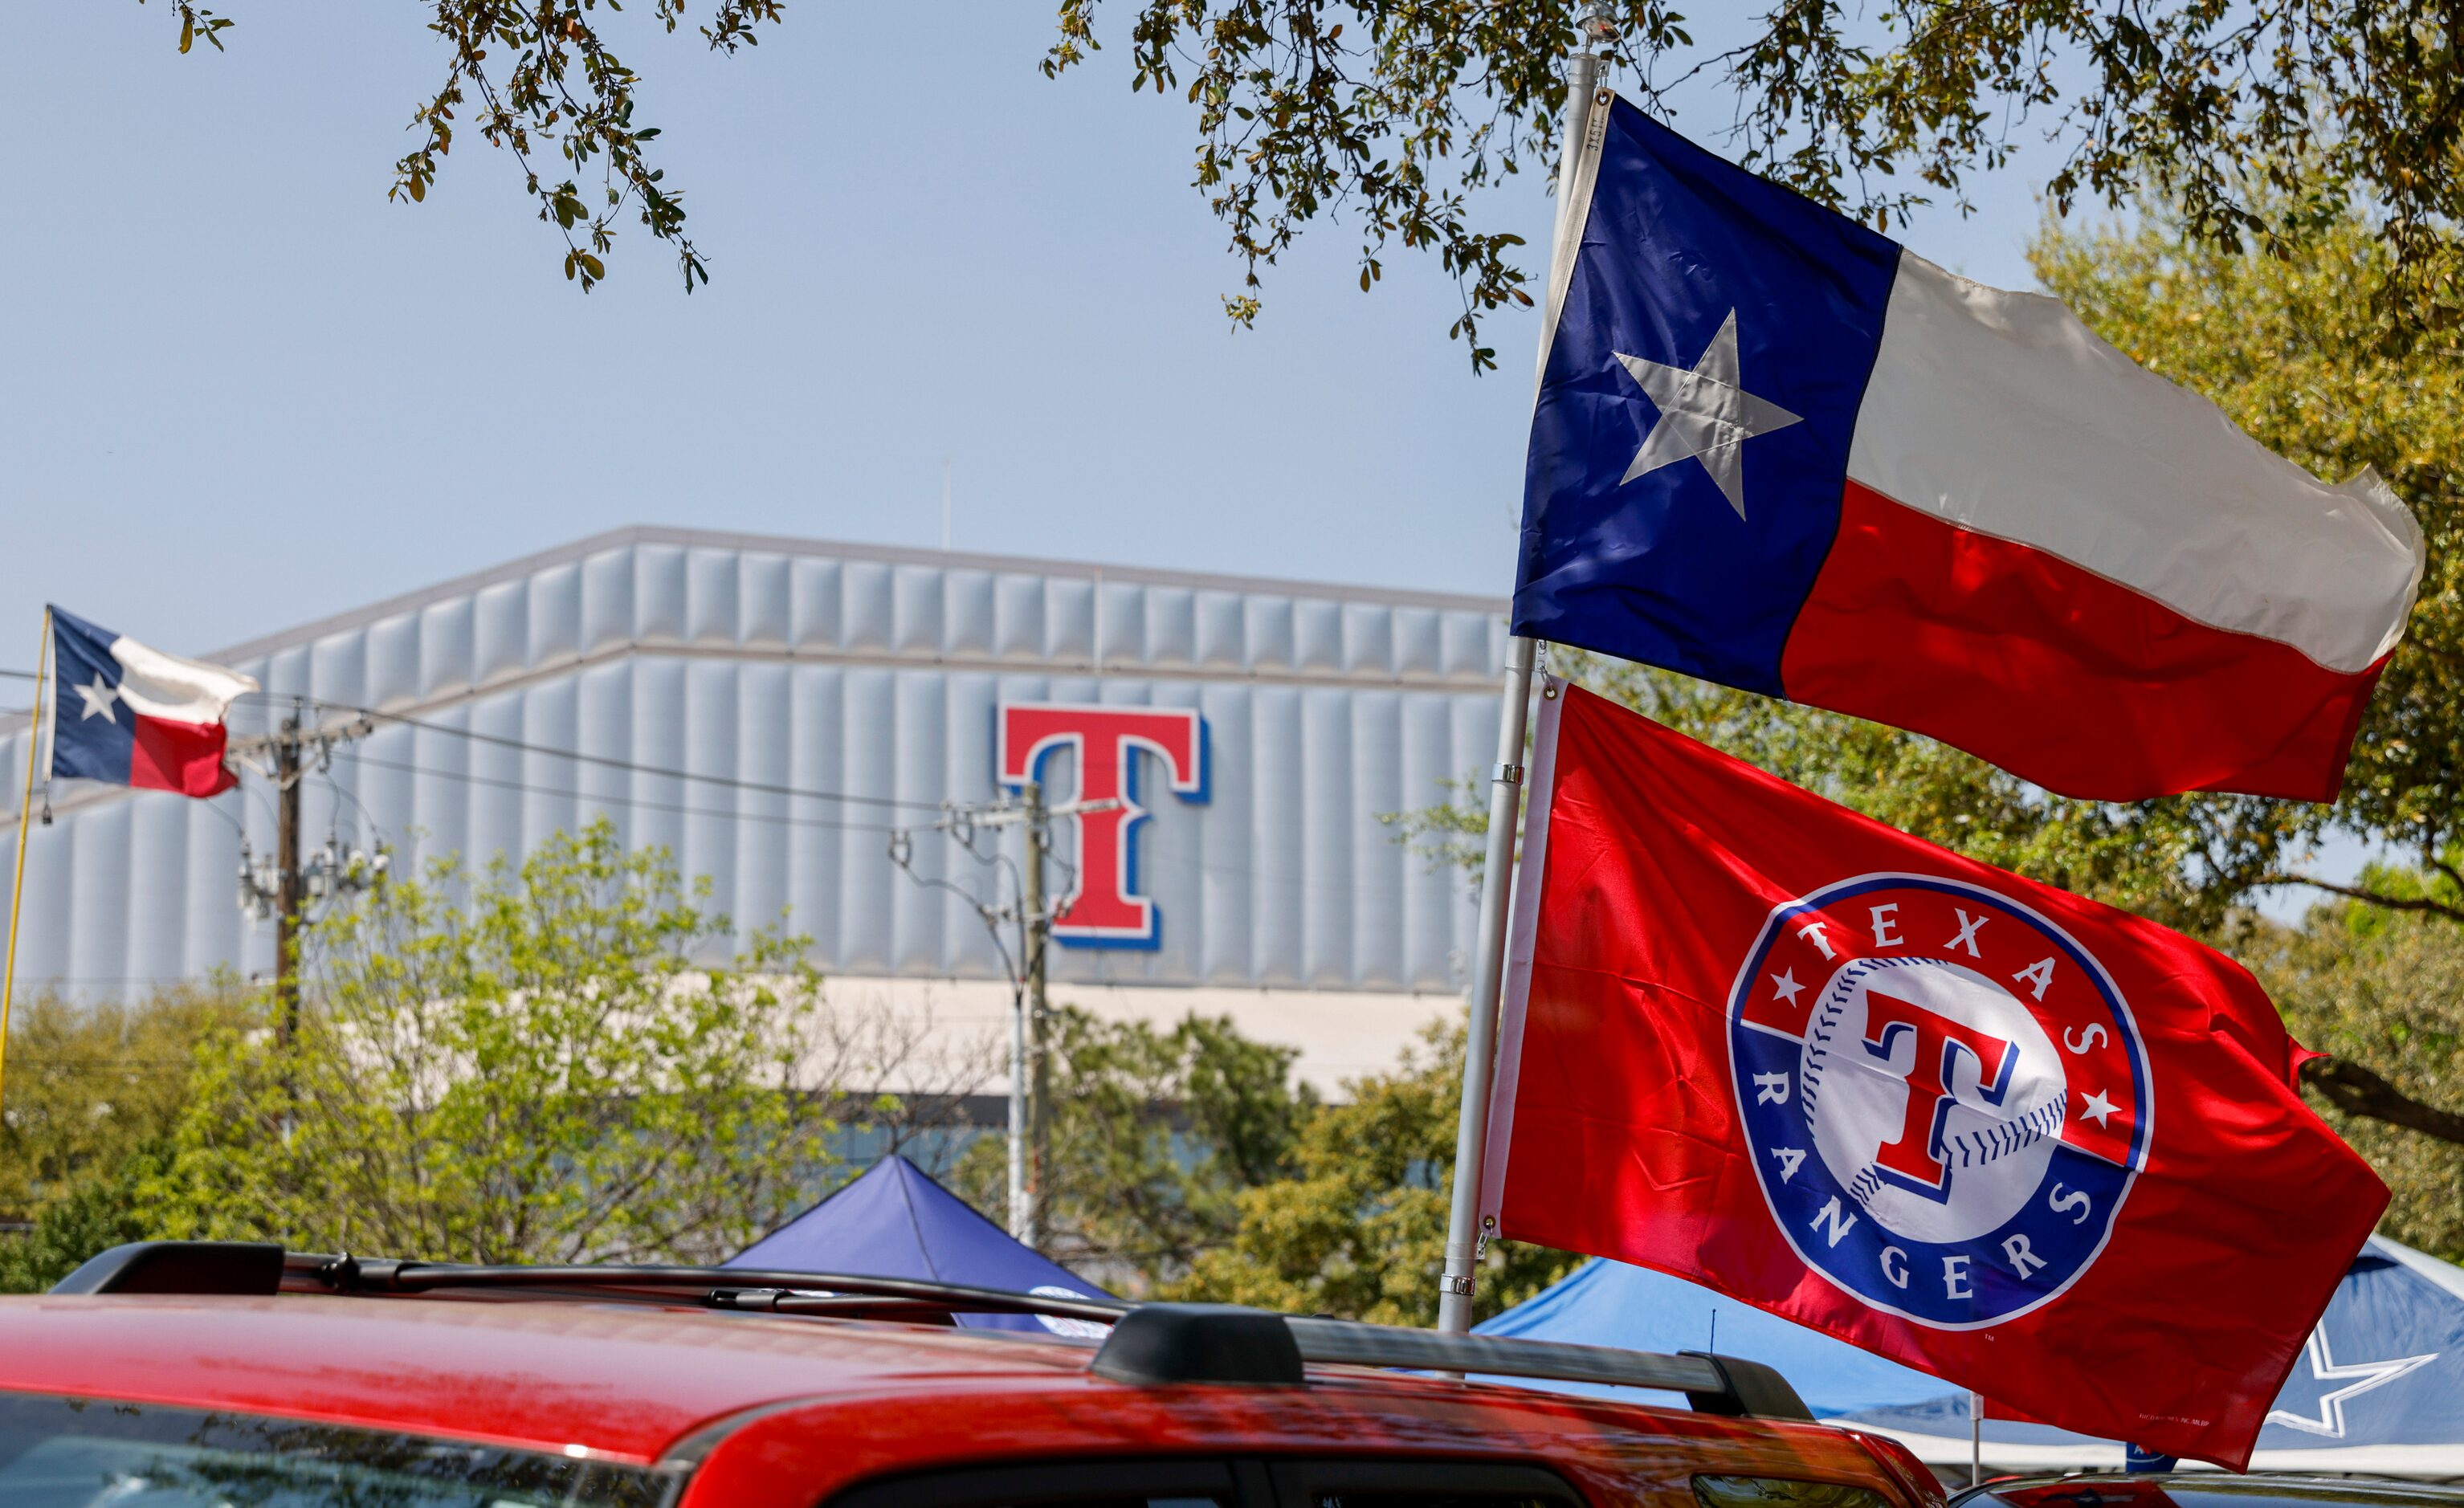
[1946, 1095]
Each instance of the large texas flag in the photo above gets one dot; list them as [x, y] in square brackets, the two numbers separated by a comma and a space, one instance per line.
[133, 715]
[2040, 1147]
[1776, 451]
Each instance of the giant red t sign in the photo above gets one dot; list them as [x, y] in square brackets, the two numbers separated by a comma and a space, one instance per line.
[1104, 909]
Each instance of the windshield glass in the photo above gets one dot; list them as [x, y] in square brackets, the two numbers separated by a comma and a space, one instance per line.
[82, 1453]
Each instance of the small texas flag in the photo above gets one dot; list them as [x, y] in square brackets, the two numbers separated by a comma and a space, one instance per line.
[131, 716]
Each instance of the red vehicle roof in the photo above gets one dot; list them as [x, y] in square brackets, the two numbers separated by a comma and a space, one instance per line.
[785, 1407]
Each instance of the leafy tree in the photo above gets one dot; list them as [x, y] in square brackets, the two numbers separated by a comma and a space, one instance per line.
[537, 78]
[1154, 1134]
[1358, 1228]
[89, 1084]
[537, 1073]
[2186, 860]
[2262, 119]
[103, 1208]
[2383, 992]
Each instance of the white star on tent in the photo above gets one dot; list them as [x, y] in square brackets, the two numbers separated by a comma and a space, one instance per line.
[98, 699]
[2098, 1108]
[1705, 414]
[1784, 986]
[2363, 1376]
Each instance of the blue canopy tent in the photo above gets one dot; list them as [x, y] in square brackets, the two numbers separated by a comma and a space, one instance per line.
[1609, 1303]
[2380, 1388]
[895, 1221]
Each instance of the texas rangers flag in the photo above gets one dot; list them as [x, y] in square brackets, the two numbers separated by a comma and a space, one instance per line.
[1777, 450]
[131, 716]
[2037, 1146]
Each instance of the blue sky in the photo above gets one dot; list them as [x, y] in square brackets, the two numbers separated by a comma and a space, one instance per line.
[245, 391]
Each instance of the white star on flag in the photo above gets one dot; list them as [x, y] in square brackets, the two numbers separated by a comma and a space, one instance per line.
[1784, 986]
[1705, 414]
[2098, 1108]
[2323, 1367]
[98, 699]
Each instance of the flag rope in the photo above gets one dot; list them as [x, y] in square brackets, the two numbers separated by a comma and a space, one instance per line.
[25, 821]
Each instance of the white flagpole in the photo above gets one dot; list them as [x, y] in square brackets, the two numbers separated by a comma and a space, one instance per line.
[1506, 792]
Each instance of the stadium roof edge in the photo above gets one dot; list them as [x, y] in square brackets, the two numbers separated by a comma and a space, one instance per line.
[782, 544]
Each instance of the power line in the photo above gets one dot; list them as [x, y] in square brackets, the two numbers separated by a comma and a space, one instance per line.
[606, 762]
[630, 801]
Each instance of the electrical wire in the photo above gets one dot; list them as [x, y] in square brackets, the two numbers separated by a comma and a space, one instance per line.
[632, 802]
[603, 762]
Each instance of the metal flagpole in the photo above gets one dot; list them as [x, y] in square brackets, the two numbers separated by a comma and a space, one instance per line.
[1504, 804]
[1976, 1438]
[25, 821]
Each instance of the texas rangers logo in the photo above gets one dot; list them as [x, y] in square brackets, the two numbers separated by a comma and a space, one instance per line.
[1946, 1095]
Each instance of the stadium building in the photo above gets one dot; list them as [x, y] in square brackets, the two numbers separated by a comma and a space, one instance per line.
[773, 710]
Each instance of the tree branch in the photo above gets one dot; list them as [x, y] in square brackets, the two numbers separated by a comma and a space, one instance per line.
[2393, 903]
[2356, 1090]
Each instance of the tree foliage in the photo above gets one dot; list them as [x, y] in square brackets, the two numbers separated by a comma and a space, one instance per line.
[2188, 860]
[2384, 993]
[539, 79]
[1152, 1135]
[91, 1083]
[101, 1207]
[536, 1073]
[1358, 1227]
[2264, 119]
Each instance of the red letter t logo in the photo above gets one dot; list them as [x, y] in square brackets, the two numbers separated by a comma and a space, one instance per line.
[1916, 1156]
[1104, 909]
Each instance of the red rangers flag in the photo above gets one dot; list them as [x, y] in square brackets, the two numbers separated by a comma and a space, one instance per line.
[2037, 1146]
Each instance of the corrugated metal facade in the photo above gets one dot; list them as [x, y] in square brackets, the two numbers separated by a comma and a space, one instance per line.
[818, 667]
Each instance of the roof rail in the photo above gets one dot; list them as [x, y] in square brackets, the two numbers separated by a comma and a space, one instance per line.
[179, 1267]
[248, 1267]
[1164, 1343]
[772, 1290]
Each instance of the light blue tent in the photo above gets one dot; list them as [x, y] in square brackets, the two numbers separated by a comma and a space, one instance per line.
[2378, 1388]
[1609, 1303]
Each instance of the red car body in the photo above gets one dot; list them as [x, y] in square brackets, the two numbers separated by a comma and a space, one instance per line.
[768, 1411]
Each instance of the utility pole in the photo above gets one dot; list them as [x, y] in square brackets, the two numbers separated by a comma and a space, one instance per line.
[1039, 937]
[282, 890]
[286, 880]
[1030, 1070]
